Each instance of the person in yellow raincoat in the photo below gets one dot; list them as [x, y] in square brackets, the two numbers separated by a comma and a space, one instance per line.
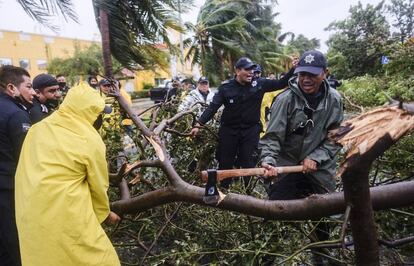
[61, 187]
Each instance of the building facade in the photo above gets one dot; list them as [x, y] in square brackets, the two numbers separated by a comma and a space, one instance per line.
[33, 52]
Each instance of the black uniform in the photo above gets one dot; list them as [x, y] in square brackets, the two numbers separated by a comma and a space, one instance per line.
[39, 111]
[240, 122]
[14, 124]
[333, 82]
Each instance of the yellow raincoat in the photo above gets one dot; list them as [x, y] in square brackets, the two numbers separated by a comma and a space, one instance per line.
[61, 187]
[267, 103]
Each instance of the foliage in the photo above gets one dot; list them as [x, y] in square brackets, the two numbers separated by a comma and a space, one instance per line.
[358, 41]
[226, 30]
[135, 27]
[217, 36]
[402, 11]
[301, 44]
[366, 91]
[42, 10]
[87, 61]
[401, 60]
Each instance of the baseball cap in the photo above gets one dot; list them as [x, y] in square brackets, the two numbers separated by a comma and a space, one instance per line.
[202, 79]
[258, 68]
[107, 109]
[104, 82]
[245, 62]
[312, 62]
[42, 81]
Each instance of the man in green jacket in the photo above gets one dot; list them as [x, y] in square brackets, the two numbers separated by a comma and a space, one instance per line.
[297, 133]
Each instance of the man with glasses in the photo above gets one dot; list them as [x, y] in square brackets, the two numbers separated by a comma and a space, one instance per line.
[297, 133]
[240, 122]
[47, 97]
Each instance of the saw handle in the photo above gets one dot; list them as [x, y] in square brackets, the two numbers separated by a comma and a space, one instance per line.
[224, 174]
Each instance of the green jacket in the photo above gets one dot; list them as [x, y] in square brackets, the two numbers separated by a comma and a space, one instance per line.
[287, 142]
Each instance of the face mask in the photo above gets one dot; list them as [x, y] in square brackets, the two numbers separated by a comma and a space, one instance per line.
[53, 103]
[19, 98]
[62, 84]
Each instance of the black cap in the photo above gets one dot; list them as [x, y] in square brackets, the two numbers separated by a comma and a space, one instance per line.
[245, 62]
[43, 81]
[312, 62]
[203, 79]
[104, 82]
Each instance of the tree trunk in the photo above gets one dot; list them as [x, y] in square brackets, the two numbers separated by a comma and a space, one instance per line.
[367, 137]
[106, 48]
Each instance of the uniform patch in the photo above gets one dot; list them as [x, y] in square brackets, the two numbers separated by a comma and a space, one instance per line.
[44, 109]
[231, 101]
[254, 83]
[25, 127]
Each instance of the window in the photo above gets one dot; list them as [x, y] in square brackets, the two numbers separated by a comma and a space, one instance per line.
[5, 61]
[159, 81]
[24, 63]
[41, 64]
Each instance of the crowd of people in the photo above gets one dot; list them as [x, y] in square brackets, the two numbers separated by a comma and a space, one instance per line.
[53, 172]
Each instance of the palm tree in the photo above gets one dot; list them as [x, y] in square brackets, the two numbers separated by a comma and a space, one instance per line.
[130, 29]
[217, 37]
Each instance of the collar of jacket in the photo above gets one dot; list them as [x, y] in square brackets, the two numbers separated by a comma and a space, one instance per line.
[294, 87]
[15, 101]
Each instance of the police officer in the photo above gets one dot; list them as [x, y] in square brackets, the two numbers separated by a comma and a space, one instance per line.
[240, 122]
[333, 82]
[257, 72]
[16, 95]
[297, 133]
[47, 97]
[64, 88]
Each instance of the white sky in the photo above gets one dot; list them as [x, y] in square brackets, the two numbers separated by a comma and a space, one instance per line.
[308, 17]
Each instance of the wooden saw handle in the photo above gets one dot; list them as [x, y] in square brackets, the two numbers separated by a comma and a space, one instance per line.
[224, 174]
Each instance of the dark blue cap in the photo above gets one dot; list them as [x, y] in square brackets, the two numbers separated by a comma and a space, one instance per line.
[258, 69]
[104, 82]
[312, 62]
[203, 79]
[245, 62]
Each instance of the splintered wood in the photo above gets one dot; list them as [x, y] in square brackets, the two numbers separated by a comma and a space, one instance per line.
[359, 134]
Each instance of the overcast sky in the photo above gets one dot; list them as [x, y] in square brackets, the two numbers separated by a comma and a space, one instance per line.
[298, 16]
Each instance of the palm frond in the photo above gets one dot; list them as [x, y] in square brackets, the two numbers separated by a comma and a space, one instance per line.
[43, 10]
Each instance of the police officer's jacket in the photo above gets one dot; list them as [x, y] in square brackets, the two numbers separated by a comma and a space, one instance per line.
[241, 102]
[296, 131]
[39, 111]
[14, 124]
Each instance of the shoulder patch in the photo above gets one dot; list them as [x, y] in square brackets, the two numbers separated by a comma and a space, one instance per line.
[25, 127]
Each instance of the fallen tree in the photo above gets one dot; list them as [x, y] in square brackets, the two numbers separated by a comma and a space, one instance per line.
[364, 138]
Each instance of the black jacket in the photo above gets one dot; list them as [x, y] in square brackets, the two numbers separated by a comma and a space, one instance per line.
[14, 124]
[242, 102]
[39, 111]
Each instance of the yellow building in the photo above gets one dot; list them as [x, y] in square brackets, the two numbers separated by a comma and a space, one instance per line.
[33, 52]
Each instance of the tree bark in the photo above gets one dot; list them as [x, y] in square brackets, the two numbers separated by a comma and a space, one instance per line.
[106, 48]
[314, 207]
